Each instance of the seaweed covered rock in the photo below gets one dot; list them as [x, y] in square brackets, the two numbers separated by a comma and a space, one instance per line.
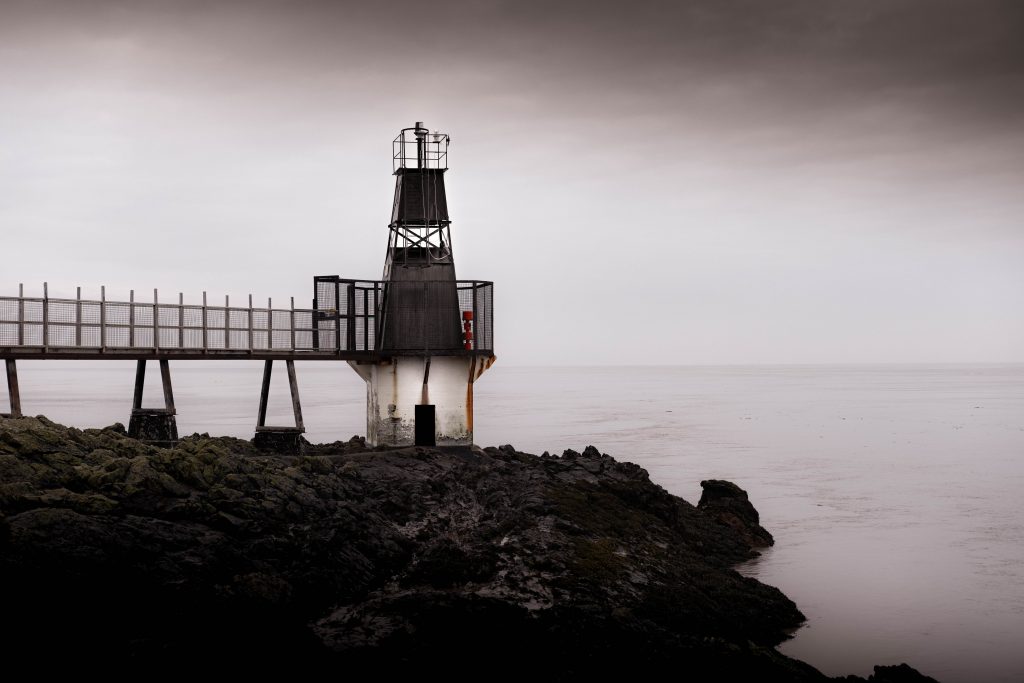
[465, 562]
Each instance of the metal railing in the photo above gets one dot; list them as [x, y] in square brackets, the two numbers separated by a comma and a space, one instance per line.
[52, 323]
[349, 318]
[418, 147]
[433, 316]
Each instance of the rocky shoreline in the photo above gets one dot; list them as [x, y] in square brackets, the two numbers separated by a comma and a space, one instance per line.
[474, 563]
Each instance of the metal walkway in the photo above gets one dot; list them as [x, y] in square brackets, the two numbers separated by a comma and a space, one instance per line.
[130, 330]
[343, 326]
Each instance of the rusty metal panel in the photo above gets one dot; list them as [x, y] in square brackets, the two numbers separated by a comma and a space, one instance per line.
[420, 197]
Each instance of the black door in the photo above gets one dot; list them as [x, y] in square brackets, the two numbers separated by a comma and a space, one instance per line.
[425, 426]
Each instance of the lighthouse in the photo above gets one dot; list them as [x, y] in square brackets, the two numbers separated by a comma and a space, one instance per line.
[433, 332]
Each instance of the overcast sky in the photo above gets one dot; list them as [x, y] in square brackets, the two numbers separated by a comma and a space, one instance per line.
[714, 181]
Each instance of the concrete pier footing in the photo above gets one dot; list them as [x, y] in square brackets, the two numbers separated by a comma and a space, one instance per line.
[155, 426]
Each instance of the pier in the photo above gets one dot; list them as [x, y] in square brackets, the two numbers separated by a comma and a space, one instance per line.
[345, 323]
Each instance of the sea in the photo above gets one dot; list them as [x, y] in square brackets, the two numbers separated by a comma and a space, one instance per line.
[895, 492]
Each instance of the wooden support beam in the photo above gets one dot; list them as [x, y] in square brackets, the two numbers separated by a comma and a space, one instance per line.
[12, 387]
[293, 385]
[165, 379]
[140, 384]
[261, 418]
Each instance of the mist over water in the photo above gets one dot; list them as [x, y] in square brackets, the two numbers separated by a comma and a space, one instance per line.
[892, 491]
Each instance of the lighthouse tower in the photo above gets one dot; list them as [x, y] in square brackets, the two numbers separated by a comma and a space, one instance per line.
[434, 331]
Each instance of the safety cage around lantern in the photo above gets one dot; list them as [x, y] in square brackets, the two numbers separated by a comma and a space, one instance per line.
[437, 317]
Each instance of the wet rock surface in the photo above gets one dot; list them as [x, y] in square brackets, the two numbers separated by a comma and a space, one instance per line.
[467, 562]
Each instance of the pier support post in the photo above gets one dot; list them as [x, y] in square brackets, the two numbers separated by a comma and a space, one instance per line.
[12, 387]
[155, 426]
[282, 440]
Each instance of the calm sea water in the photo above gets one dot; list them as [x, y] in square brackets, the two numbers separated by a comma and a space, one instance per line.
[893, 492]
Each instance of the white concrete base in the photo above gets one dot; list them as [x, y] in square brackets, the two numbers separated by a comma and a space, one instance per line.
[395, 387]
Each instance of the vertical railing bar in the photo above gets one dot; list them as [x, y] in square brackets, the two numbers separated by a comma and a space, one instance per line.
[314, 320]
[205, 345]
[476, 324]
[250, 323]
[227, 322]
[181, 320]
[46, 315]
[292, 323]
[270, 324]
[131, 319]
[78, 316]
[156, 321]
[21, 314]
[103, 318]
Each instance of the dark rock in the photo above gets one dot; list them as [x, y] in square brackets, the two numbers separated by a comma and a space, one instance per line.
[728, 503]
[393, 562]
[901, 673]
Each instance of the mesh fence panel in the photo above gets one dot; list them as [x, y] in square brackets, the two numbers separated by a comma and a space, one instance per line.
[143, 314]
[169, 316]
[117, 337]
[238, 319]
[350, 315]
[143, 337]
[117, 314]
[192, 316]
[215, 339]
[215, 317]
[193, 339]
[91, 336]
[91, 313]
[33, 310]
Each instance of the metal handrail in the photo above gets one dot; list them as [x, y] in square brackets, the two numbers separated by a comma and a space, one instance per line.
[44, 322]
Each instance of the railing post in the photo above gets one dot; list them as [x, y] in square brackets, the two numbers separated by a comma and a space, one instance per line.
[156, 322]
[476, 321]
[366, 319]
[292, 325]
[205, 345]
[227, 322]
[350, 322]
[46, 315]
[377, 315]
[250, 323]
[21, 314]
[131, 319]
[78, 316]
[314, 320]
[270, 324]
[103, 317]
[181, 320]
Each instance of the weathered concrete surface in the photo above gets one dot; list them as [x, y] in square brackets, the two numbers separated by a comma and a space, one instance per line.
[395, 387]
[469, 563]
[156, 426]
[280, 440]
